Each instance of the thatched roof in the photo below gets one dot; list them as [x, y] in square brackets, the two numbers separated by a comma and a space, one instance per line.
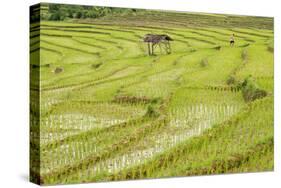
[154, 38]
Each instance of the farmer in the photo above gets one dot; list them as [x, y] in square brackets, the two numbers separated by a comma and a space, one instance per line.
[231, 40]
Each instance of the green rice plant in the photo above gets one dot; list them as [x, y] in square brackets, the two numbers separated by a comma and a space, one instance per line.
[110, 112]
[226, 151]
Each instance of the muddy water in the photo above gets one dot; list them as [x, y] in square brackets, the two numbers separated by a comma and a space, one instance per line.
[58, 127]
[186, 123]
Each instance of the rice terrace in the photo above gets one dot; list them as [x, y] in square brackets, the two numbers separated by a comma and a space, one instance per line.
[108, 102]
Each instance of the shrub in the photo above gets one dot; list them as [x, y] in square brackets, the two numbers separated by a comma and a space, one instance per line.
[58, 70]
[193, 50]
[204, 62]
[156, 100]
[270, 48]
[97, 65]
[251, 91]
[217, 47]
[244, 54]
[47, 65]
[151, 111]
[230, 80]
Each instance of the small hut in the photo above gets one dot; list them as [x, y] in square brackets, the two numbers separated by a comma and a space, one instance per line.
[154, 40]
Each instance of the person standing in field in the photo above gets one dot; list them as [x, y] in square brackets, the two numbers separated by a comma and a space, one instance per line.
[231, 40]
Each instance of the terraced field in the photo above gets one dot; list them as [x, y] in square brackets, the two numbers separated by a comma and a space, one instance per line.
[108, 111]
